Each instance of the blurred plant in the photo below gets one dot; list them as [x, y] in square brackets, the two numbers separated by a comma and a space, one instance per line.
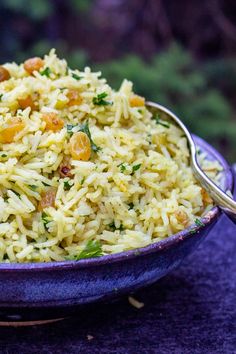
[36, 10]
[40, 10]
[81, 5]
[221, 73]
[35, 26]
[173, 79]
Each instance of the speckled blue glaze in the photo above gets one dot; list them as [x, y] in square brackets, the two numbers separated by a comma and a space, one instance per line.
[37, 291]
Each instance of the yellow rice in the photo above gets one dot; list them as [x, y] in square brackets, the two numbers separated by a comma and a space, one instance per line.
[110, 200]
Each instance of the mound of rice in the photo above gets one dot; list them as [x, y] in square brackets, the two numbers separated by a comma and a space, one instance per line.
[133, 187]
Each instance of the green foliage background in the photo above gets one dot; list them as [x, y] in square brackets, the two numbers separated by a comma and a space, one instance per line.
[202, 93]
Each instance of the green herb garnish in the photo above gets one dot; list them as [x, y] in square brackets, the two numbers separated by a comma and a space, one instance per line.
[131, 206]
[75, 76]
[46, 220]
[122, 167]
[100, 101]
[16, 193]
[67, 185]
[161, 122]
[46, 72]
[33, 187]
[135, 168]
[199, 152]
[192, 231]
[198, 222]
[91, 250]
[4, 155]
[45, 184]
[82, 181]
[1, 97]
[85, 129]
[69, 128]
[113, 227]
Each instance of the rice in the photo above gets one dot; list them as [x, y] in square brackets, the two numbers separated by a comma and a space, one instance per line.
[135, 303]
[136, 187]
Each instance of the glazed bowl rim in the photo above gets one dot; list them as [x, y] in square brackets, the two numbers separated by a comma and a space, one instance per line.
[158, 246]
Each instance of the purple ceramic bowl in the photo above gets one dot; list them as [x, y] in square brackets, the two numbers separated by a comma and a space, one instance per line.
[43, 291]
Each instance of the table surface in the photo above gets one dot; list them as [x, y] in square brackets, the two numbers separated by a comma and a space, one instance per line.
[192, 310]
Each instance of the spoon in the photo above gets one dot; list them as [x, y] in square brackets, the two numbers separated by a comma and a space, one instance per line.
[224, 202]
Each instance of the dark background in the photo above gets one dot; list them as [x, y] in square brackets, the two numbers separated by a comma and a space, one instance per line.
[179, 53]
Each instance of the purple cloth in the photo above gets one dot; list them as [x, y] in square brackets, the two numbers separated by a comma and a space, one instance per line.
[192, 310]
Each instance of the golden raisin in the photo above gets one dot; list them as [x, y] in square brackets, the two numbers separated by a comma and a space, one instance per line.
[80, 147]
[33, 64]
[4, 74]
[27, 102]
[205, 197]
[53, 122]
[74, 98]
[181, 217]
[136, 101]
[65, 168]
[13, 127]
[47, 199]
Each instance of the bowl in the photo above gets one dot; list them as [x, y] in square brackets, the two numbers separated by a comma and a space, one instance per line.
[48, 291]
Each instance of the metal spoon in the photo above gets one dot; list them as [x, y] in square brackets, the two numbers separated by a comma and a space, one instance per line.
[227, 204]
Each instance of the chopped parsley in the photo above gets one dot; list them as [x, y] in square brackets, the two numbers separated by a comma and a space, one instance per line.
[161, 122]
[85, 129]
[135, 168]
[192, 231]
[16, 193]
[82, 181]
[131, 206]
[140, 111]
[91, 250]
[75, 76]
[198, 222]
[199, 151]
[46, 72]
[99, 100]
[45, 184]
[113, 227]
[1, 97]
[69, 128]
[33, 187]
[122, 167]
[5, 198]
[149, 138]
[67, 185]
[4, 155]
[46, 220]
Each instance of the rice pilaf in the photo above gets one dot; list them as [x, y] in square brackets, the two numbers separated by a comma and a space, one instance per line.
[86, 170]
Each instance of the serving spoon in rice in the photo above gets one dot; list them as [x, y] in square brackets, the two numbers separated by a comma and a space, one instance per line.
[221, 199]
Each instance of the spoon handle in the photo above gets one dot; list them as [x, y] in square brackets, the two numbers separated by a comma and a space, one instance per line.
[223, 200]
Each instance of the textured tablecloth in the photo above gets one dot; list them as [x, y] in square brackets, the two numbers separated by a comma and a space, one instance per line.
[192, 310]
